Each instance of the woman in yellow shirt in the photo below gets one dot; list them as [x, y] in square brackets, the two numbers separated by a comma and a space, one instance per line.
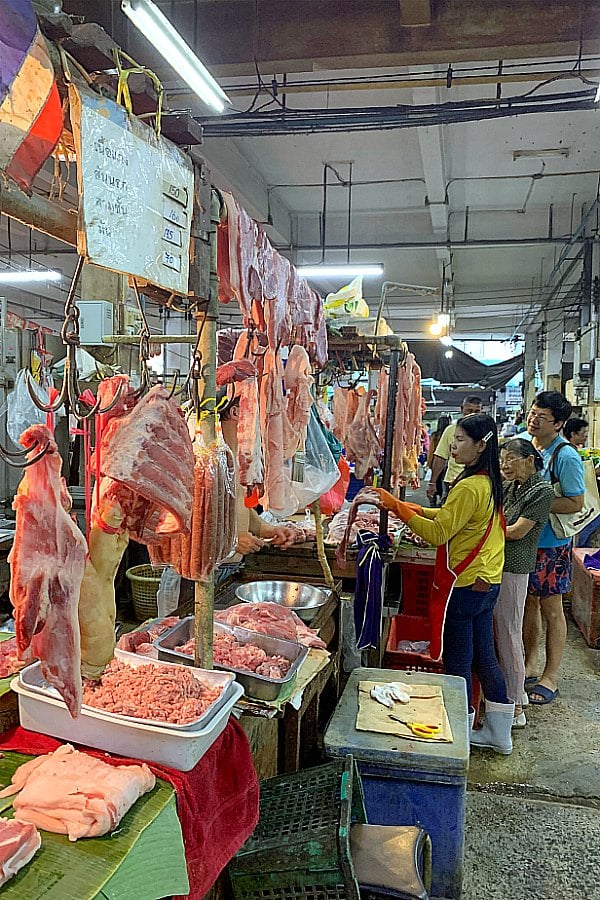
[470, 520]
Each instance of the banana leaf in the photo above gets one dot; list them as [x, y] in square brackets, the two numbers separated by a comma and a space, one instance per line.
[62, 869]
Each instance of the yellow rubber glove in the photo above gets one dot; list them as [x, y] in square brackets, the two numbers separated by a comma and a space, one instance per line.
[404, 511]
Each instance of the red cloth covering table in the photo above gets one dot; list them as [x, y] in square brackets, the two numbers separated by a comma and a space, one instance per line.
[585, 597]
[217, 802]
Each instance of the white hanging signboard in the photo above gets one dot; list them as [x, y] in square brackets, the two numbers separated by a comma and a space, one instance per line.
[135, 194]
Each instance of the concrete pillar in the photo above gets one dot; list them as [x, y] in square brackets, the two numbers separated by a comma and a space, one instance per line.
[554, 323]
[529, 367]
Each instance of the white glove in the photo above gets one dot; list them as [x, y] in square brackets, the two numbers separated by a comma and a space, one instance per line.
[387, 693]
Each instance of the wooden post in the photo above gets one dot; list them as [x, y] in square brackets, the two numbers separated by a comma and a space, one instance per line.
[321, 552]
[206, 323]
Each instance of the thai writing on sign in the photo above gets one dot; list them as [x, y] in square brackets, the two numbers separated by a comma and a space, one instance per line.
[136, 194]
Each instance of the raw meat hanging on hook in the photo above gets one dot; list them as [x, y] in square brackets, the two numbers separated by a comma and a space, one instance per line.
[47, 564]
[298, 383]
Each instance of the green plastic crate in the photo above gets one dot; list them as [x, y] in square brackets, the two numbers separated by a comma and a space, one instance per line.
[301, 845]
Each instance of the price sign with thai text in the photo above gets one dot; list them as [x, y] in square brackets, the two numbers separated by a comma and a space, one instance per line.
[135, 194]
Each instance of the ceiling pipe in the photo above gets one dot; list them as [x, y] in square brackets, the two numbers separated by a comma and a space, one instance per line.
[472, 243]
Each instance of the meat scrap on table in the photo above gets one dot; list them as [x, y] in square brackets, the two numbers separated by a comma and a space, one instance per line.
[142, 640]
[72, 793]
[19, 842]
[9, 658]
[170, 695]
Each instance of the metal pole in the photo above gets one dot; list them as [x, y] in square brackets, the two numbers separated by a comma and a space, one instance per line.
[204, 591]
[390, 423]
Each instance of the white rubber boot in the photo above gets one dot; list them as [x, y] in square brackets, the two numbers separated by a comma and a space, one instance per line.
[496, 731]
[471, 720]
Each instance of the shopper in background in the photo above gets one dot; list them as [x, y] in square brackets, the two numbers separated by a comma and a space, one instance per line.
[552, 575]
[471, 524]
[576, 432]
[527, 498]
[443, 456]
[436, 437]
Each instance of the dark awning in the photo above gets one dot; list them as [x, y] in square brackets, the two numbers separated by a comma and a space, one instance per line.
[462, 368]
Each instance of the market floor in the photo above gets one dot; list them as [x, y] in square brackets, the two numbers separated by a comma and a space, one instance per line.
[533, 818]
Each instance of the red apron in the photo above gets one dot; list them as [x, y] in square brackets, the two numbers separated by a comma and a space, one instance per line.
[444, 579]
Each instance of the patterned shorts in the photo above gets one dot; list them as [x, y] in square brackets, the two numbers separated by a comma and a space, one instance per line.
[552, 573]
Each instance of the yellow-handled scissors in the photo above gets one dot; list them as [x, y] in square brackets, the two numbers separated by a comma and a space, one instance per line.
[418, 728]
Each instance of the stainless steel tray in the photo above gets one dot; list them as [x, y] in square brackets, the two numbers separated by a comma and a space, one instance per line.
[257, 686]
[32, 679]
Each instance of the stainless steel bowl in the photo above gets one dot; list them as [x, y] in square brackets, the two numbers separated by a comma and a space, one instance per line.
[303, 599]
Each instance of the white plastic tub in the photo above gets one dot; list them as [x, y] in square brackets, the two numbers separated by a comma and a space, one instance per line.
[177, 749]
[32, 679]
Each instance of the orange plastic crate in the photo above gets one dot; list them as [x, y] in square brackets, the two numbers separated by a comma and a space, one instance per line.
[409, 628]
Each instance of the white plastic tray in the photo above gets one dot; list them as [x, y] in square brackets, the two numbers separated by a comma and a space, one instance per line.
[179, 750]
[32, 679]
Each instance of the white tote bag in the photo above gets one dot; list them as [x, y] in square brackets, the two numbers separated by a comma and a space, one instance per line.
[566, 525]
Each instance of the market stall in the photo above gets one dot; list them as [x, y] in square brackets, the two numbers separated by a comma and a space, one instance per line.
[151, 721]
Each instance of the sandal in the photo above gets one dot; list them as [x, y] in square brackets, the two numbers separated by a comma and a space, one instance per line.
[531, 680]
[545, 693]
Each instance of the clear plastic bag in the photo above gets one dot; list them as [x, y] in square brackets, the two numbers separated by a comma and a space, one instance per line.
[22, 411]
[167, 597]
[320, 471]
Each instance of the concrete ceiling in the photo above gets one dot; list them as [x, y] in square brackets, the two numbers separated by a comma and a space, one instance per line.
[447, 198]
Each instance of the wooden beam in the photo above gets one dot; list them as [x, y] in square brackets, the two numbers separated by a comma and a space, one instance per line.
[331, 34]
[415, 13]
[40, 213]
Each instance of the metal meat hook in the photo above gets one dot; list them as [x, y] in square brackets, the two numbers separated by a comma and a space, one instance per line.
[70, 391]
[144, 356]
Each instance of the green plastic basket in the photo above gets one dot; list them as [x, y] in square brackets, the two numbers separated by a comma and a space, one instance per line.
[145, 581]
[301, 845]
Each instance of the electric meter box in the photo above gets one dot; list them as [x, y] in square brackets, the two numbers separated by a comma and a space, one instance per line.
[95, 321]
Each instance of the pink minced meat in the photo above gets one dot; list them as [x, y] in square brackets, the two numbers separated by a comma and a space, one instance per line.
[228, 651]
[169, 694]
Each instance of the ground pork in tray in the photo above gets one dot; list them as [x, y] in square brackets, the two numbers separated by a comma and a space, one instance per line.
[167, 694]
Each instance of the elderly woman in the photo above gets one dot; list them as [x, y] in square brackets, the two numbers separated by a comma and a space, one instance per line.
[527, 498]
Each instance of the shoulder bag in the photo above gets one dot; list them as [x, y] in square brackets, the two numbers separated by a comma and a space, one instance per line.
[566, 525]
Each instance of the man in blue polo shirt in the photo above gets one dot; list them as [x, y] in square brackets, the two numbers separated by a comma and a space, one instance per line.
[552, 576]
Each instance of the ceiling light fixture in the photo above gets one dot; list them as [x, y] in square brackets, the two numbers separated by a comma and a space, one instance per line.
[565, 152]
[10, 276]
[449, 354]
[351, 269]
[157, 29]
[446, 340]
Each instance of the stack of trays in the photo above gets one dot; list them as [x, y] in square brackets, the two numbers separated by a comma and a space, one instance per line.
[258, 687]
[180, 747]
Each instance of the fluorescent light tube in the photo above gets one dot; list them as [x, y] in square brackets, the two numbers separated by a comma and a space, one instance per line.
[8, 276]
[446, 340]
[325, 271]
[157, 29]
[597, 97]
